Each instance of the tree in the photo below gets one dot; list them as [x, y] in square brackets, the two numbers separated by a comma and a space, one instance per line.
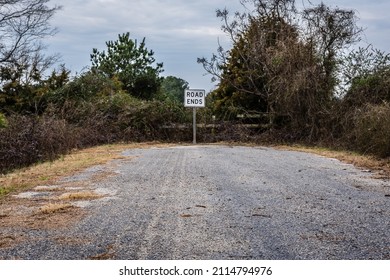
[25, 91]
[330, 31]
[362, 64]
[22, 24]
[250, 73]
[372, 88]
[173, 88]
[131, 63]
[283, 62]
[241, 90]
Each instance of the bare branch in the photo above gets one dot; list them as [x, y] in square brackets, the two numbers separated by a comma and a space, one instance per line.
[22, 24]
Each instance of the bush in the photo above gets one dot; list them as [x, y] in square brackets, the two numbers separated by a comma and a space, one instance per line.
[372, 89]
[30, 139]
[3, 121]
[84, 88]
[371, 131]
[148, 120]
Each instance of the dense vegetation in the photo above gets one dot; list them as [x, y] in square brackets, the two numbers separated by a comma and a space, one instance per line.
[43, 118]
[289, 72]
[294, 70]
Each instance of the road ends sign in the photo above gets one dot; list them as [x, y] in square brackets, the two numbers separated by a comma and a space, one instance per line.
[195, 98]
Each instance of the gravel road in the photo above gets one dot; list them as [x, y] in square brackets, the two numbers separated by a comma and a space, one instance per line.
[221, 202]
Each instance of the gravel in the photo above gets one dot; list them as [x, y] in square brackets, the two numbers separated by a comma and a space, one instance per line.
[222, 202]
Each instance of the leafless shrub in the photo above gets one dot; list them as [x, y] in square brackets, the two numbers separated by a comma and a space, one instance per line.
[371, 130]
[30, 139]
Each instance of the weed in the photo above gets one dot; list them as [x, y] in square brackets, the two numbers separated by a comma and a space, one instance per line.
[79, 195]
[54, 208]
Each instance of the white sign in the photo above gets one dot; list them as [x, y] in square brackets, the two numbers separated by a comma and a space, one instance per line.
[194, 98]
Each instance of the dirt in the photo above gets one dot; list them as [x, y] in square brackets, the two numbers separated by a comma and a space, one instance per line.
[51, 207]
[64, 200]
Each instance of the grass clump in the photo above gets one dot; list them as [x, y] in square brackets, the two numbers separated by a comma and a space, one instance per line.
[80, 195]
[54, 208]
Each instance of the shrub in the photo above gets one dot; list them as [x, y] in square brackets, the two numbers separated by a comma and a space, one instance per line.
[372, 129]
[84, 88]
[3, 121]
[117, 117]
[30, 139]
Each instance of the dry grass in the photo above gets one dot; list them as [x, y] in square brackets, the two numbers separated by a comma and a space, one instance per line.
[54, 207]
[79, 195]
[380, 166]
[49, 172]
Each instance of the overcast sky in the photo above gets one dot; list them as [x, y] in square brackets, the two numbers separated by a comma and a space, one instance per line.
[178, 31]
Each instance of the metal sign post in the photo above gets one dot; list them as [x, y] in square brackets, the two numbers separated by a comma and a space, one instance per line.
[194, 98]
[194, 124]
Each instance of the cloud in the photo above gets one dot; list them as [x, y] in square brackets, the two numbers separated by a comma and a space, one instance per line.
[152, 15]
[178, 31]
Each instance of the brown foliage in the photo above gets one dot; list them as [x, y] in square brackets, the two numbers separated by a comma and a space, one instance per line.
[371, 129]
[30, 139]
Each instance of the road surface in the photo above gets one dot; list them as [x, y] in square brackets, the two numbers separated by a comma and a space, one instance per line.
[214, 202]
